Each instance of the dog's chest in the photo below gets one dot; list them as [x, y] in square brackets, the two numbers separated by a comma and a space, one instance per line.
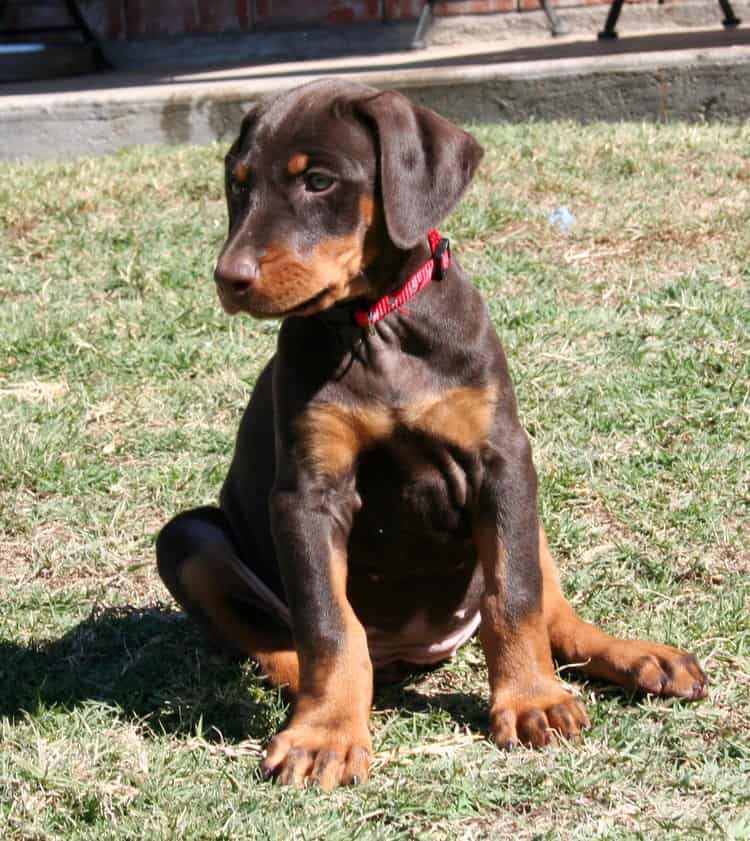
[415, 467]
[335, 436]
[413, 503]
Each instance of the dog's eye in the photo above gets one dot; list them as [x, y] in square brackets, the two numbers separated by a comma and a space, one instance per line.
[237, 188]
[318, 182]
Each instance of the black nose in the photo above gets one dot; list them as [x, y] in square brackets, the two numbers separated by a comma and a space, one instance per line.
[236, 270]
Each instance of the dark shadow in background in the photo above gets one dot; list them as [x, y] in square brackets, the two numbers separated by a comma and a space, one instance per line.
[584, 48]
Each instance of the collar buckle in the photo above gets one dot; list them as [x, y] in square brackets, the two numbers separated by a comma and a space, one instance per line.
[435, 268]
[441, 258]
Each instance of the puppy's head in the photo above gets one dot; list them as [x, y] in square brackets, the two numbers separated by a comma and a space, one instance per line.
[320, 181]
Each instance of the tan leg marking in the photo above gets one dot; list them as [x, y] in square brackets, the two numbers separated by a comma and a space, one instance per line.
[206, 586]
[528, 704]
[636, 664]
[327, 739]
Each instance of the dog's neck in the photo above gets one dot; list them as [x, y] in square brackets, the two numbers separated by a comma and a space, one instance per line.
[386, 275]
[393, 267]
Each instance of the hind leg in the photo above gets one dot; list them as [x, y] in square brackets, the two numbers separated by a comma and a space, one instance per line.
[198, 563]
[637, 665]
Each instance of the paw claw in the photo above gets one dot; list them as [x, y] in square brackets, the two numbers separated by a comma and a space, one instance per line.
[537, 721]
[653, 669]
[326, 756]
[700, 690]
[667, 672]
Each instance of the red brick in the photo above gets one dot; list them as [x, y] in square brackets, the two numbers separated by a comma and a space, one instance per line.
[218, 16]
[97, 14]
[115, 25]
[528, 5]
[473, 7]
[175, 17]
[244, 14]
[167, 17]
[270, 12]
[190, 16]
[402, 9]
[364, 10]
[289, 12]
[112, 19]
[133, 19]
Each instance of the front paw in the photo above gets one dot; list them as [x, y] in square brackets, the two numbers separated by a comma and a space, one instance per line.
[331, 754]
[535, 715]
[661, 670]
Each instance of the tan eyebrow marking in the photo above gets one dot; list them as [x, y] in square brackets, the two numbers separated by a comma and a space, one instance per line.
[297, 163]
[241, 171]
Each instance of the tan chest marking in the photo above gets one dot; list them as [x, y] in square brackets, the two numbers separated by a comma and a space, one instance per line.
[334, 435]
[462, 416]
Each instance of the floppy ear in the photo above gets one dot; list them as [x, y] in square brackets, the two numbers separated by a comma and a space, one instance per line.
[426, 163]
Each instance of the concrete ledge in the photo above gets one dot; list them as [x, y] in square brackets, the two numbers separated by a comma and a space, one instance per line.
[581, 81]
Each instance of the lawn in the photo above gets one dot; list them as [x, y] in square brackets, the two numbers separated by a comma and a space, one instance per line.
[121, 386]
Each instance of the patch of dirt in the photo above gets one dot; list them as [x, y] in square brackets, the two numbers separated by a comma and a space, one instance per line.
[35, 391]
[15, 558]
[599, 515]
[731, 559]
[649, 243]
[20, 226]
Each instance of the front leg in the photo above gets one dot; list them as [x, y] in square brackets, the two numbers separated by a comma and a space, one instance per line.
[327, 737]
[527, 701]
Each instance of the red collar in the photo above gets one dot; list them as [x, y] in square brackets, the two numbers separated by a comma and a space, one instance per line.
[434, 269]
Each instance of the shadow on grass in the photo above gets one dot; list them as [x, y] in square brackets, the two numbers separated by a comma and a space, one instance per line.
[467, 709]
[152, 664]
[156, 665]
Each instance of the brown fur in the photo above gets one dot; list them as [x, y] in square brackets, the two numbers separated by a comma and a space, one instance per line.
[382, 479]
[327, 736]
[461, 416]
[334, 436]
[210, 585]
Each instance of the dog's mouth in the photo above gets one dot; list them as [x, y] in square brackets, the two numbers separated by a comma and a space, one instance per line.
[236, 296]
[308, 304]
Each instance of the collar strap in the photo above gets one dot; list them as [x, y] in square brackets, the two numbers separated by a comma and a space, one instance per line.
[434, 269]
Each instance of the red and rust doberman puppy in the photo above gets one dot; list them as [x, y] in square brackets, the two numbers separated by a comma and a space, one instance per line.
[381, 502]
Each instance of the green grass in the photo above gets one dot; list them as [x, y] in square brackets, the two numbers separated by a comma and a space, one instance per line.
[121, 385]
